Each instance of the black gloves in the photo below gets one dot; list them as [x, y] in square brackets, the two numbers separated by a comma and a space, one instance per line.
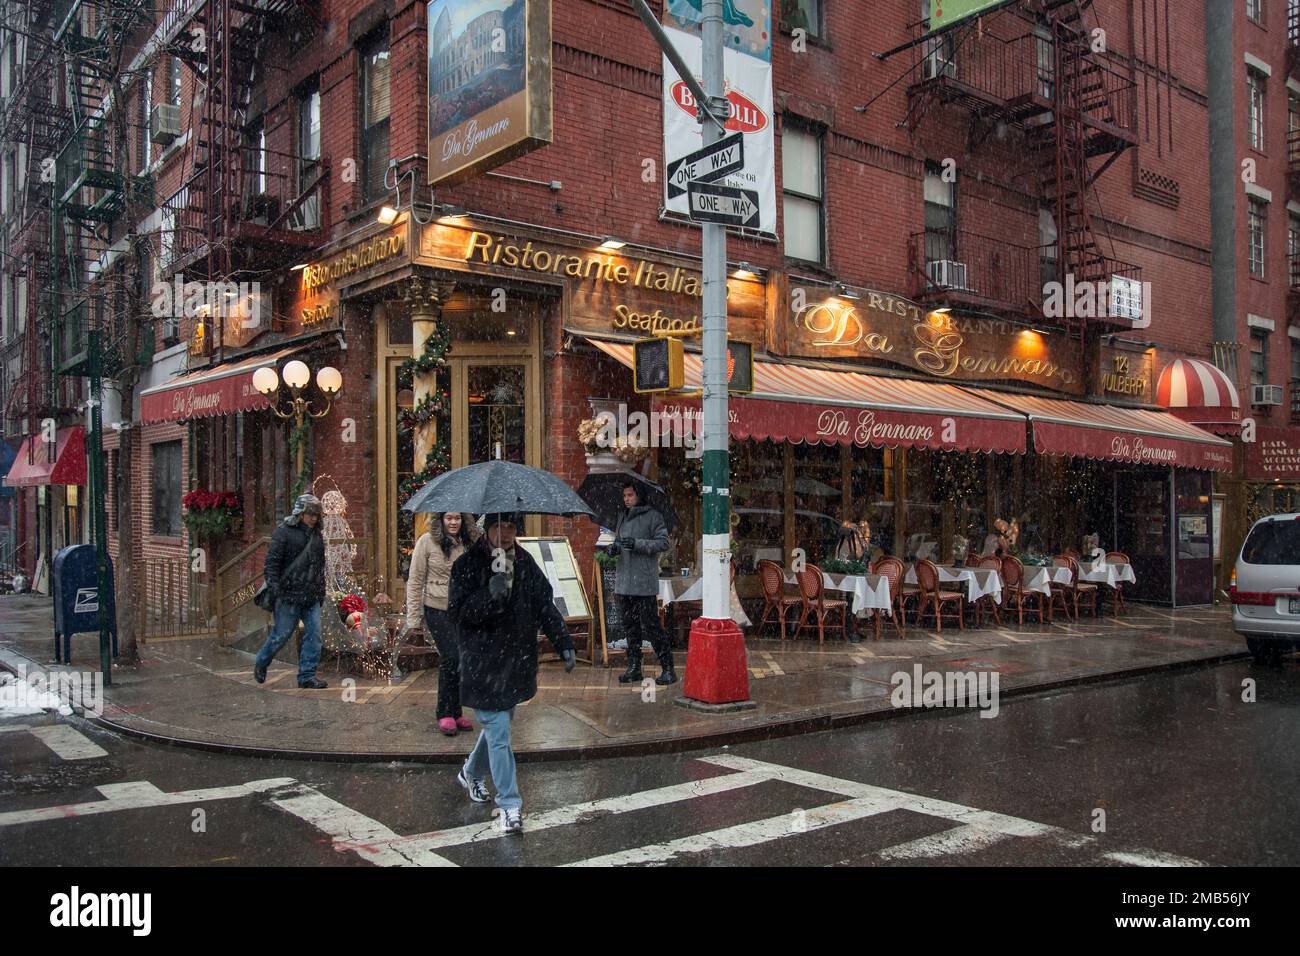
[570, 660]
[614, 550]
[626, 544]
[497, 587]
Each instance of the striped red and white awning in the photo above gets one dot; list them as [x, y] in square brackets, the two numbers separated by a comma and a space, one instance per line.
[1199, 392]
[823, 406]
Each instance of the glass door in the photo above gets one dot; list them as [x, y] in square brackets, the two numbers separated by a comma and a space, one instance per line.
[1143, 511]
[494, 409]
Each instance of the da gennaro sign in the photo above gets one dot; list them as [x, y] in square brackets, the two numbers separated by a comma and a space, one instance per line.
[489, 84]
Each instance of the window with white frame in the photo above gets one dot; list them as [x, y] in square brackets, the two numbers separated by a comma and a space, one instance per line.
[375, 109]
[802, 192]
[174, 81]
[1256, 223]
[146, 110]
[1255, 100]
[1258, 357]
[1255, 11]
[940, 215]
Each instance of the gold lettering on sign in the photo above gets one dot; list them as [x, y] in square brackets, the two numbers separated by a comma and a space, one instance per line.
[1120, 382]
[364, 256]
[643, 274]
[939, 350]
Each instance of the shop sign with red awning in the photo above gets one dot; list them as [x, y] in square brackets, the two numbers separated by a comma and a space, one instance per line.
[1274, 454]
[823, 406]
[218, 391]
[34, 464]
[1114, 433]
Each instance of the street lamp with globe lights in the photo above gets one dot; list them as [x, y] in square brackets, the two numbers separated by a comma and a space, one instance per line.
[296, 375]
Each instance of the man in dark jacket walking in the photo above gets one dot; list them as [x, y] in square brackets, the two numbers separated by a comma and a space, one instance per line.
[295, 577]
[499, 598]
[640, 538]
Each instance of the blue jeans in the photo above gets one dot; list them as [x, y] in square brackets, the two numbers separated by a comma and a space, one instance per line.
[492, 750]
[287, 616]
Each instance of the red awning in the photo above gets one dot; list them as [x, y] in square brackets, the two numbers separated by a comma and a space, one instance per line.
[1114, 433]
[40, 463]
[223, 390]
[802, 404]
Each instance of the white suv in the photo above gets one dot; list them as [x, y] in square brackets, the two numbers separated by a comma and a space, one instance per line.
[1266, 587]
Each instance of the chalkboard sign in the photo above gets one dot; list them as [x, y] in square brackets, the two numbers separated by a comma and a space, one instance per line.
[609, 608]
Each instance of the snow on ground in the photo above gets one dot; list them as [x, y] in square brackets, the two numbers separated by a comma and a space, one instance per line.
[18, 698]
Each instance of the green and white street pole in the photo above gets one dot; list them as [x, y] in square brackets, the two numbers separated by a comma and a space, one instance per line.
[717, 677]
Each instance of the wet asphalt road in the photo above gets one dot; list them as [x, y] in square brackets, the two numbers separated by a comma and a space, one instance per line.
[1182, 767]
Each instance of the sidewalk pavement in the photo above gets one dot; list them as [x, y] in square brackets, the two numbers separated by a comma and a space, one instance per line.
[194, 692]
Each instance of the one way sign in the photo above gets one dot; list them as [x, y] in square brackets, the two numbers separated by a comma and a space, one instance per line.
[727, 205]
[707, 165]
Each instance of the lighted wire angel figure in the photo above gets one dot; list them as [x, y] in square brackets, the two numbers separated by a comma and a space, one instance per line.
[340, 547]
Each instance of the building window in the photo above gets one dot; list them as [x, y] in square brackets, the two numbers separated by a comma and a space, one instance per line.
[940, 215]
[1255, 96]
[309, 153]
[1255, 11]
[146, 108]
[167, 488]
[1293, 129]
[1295, 378]
[1256, 220]
[1258, 357]
[1293, 252]
[802, 194]
[174, 81]
[255, 164]
[803, 15]
[374, 120]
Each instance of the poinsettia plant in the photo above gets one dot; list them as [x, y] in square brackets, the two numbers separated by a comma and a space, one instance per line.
[210, 514]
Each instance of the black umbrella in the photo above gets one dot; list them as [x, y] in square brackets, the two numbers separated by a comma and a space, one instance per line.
[604, 492]
[498, 487]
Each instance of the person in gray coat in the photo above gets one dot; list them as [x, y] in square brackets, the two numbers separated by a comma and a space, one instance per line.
[640, 538]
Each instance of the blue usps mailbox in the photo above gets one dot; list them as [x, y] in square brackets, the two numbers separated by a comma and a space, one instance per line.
[77, 597]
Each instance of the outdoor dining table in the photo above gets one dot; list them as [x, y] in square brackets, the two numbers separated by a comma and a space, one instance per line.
[691, 588]
[1041, 577]
[1107, 573]
[870, 591]
[978, 581]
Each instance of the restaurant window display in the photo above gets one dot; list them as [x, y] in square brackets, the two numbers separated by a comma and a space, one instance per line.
[758, 503]
[872, 497]
[818, 498]
[946, 499]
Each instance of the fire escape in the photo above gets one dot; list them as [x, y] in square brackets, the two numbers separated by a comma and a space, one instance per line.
[1293, 164]
[246, 208]
[1030, 67]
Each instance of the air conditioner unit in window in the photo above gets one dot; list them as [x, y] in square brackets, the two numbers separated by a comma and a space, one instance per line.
[165, 123]
[1266, 395]
[946, 274]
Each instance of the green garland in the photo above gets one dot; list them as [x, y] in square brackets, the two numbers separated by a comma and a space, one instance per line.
[438, 462]
[300, 436]
[425, 411]
[431, 359]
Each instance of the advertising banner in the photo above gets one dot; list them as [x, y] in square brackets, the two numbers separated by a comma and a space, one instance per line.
[748, 77]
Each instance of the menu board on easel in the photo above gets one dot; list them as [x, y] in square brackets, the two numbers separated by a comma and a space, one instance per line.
[609, 611]
[554, 555]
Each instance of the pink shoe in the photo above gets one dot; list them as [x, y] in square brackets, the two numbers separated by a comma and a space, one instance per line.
[464, 723]
[448, 726]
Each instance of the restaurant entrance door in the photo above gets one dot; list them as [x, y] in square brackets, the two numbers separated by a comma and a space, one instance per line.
[1143, 529]
[1194, 545]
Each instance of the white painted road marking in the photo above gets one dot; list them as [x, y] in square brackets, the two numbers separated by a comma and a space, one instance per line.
[68, 743]
[352, 830]
[137, 796]
[964, 839]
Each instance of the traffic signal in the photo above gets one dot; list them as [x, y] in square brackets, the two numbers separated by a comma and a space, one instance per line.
[740, 366]
[657, 365]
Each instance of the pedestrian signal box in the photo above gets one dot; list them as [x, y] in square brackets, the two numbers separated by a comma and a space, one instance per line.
[657, 365]
[740, 366]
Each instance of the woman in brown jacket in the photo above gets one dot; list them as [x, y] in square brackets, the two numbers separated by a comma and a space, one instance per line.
[448, 536]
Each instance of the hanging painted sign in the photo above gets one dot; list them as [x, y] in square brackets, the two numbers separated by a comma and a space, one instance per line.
[489, 84]
[944, 13]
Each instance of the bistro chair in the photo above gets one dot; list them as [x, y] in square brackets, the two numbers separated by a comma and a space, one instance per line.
[1081, 591]
[892, 570]
[1117, 589]
[1015, 597]
[812, 592]
[775, 600]
[988, 604]
[933, 598]
[1061, 592]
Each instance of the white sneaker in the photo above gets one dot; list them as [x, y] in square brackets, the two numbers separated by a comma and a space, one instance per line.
[477, 792]
[512, 821]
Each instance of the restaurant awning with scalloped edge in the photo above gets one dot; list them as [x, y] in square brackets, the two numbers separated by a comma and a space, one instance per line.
[222, 390]
[799, 403]
[1114, 433]
[61, 462]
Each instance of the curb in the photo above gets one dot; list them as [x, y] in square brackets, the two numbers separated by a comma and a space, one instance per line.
[779, 727]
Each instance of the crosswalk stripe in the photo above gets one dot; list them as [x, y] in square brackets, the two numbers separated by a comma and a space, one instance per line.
[353, 831]
[963, 839]
[1151, 858]
[746, 834]
[579, 812]
[135, 796]
[68, 742]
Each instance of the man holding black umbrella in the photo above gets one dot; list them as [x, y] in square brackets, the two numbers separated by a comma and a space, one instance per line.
[641, 536]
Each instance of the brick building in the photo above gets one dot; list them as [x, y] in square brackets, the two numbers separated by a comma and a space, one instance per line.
[959, 175]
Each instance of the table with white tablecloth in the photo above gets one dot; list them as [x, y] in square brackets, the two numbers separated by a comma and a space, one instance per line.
[673, 589]
[870, 591]
[1108, 573]
[1040, 578]
[979, 581]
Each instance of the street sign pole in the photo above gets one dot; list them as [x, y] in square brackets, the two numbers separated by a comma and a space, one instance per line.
[96, 483]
